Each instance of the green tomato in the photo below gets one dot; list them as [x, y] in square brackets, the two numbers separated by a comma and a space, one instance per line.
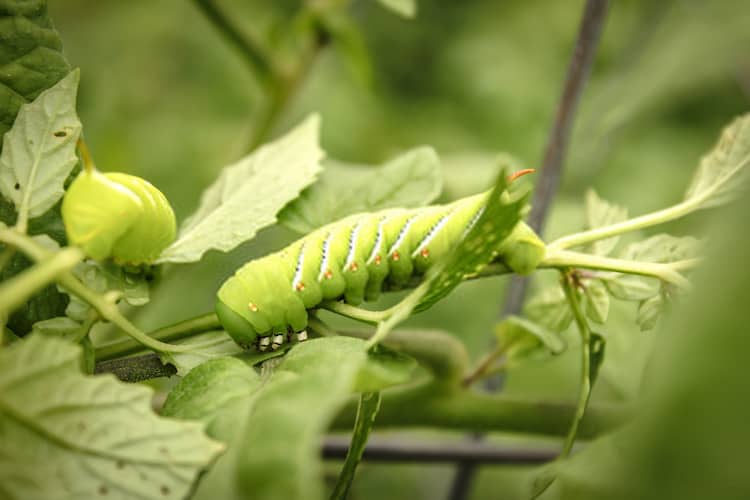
[119, 216]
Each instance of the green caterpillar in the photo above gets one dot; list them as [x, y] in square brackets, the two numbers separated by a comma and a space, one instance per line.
[265, 304]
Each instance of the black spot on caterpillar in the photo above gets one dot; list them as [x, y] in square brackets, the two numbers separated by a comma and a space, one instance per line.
[267, 300]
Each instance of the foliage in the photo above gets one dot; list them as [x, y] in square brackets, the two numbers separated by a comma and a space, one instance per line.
[244, 424]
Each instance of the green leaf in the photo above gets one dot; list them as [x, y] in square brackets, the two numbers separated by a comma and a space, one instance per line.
[597, 345]
[662, 248]
[601, 213]
[210, 388]
[412, 179]
[367, 410]
[550, 309]
[384, 368]
[31, 58]
[66, 435]
[723, 172]
[404, 8]
[39, 151]
[649, 312]
[630, 286]
[207, 346]
[597, 301]
[61, 327]
[105, 276]
[522, 339]
[502, 213]
[274, 427]
[248, 194]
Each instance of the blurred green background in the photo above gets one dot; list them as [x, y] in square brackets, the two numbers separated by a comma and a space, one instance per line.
[163, 96]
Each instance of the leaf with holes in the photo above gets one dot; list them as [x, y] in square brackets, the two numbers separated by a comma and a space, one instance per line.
[39, 150]
[412, 179]
[67, 435]
[248, 194]
[723, 172]
[600, 213]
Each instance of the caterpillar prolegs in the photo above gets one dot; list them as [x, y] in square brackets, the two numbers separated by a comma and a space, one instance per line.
[267, 300]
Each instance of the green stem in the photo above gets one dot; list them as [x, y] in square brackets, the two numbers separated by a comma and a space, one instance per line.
[585, 386]
[424, 405]
[367, 410]
[666, 272]
[255, 56]
[178, 331]
[363, 315]
[648, 220]
[15, 291]
[106, 309]
[6, 256]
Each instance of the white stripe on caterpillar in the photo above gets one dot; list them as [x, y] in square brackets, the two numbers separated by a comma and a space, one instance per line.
[402, 234]
[378, 242]
[352, 246]
[297, 280]
[324, 257]
[434, 230]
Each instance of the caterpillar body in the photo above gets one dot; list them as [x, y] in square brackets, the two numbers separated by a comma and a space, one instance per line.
[266, 302]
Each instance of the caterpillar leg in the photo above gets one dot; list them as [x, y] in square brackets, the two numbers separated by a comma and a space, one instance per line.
[275, 341]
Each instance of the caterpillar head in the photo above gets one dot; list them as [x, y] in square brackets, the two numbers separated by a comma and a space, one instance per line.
[236, 326]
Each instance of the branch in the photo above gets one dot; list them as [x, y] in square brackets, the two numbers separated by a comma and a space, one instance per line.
[392, 450]
[425, 405]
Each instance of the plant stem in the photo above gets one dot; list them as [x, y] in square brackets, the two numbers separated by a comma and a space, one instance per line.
[106, 309]
[178, 331]
[648, 220]
[256, 57]
[86, 158]
[363, 315]
[665, 272]
[585, 385]
[6, 256]
[15, 291]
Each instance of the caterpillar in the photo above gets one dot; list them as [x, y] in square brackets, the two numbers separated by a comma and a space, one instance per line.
[145, 222]
[265, 303]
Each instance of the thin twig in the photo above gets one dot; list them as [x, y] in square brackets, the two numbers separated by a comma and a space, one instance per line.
[549, 179]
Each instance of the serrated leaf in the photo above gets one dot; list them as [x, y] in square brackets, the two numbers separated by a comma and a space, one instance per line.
[522, 339]
[248, 195]
[723, 171]
[67, 435]
[39, 150]
[404, 8]
[500, 216]
[630, 286]
[31, 58]
[649, 312]
[662, 248]
[597, 301]
[412, 179]
[550, 309]
[273, 426]
[601, 213]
